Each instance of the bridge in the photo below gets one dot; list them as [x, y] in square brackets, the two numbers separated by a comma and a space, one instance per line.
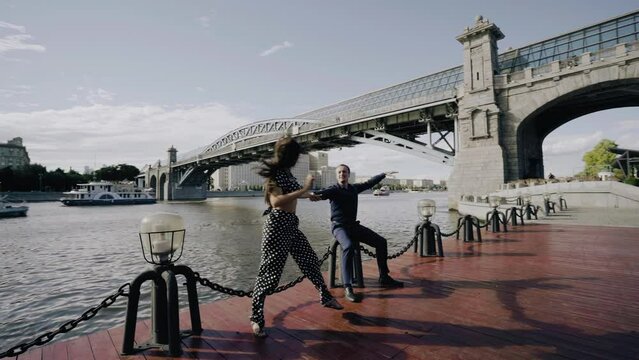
[486, 118]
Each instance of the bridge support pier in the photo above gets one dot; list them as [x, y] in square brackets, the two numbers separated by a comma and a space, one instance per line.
[188, 193]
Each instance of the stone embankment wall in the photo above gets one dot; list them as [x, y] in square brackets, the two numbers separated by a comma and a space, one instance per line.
[581, 194]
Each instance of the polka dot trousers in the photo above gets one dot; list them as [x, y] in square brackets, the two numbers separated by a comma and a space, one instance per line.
[280, 236]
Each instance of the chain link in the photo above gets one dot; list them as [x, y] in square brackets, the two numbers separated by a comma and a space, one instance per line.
[235, 292]
[66, 327]
[397, 254]
[461, 223]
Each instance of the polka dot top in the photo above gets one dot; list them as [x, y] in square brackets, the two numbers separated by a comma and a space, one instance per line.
[286, 181]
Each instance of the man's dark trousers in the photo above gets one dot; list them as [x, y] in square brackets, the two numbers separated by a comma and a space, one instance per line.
[349, 236]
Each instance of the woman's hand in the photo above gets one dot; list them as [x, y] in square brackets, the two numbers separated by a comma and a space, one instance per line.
[308, 183]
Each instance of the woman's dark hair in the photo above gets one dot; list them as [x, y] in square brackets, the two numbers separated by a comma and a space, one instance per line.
[285, 155]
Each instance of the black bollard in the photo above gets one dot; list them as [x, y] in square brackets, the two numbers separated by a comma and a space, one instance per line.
[513, 213]
[430, 239]
[358, 274]
[165, 329]
[495, 218]
[469, 222]
[468, 228]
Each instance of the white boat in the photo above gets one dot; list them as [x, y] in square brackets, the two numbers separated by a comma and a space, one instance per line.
[383, 191]
[11, 209]
[107, 193]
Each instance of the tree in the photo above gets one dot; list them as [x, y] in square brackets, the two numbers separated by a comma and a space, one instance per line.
[599, 158]
[117, 173]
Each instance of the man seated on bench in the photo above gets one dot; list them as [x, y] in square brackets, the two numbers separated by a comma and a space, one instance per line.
[348, 231]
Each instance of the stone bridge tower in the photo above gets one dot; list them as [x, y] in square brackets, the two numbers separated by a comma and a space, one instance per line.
[479, 161]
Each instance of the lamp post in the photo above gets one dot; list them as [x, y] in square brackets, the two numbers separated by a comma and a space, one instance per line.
[162, 240]
[428, 232]
[495, 217]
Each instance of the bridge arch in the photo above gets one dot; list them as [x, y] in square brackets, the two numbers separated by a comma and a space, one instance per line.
[162, 188]
[535, 127]
[258, 129]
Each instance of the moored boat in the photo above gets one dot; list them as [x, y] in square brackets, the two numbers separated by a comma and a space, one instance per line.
[107, 193]
[11, 209]
[383, 191]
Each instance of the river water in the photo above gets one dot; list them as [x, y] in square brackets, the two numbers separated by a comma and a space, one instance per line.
[60, 261]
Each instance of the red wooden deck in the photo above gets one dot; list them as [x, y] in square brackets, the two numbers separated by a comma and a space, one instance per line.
[538, 291]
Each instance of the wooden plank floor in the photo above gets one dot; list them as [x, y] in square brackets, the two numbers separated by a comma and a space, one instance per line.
[538, 291]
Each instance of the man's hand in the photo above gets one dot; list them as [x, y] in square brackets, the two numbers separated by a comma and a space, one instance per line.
[390, 173]
[313, 197]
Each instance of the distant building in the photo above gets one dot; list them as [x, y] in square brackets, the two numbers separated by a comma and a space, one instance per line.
[317, 160]
[326, 176]
[243, 177]
[219, 179]
[13, 154]
[423, 183]
[406, 183]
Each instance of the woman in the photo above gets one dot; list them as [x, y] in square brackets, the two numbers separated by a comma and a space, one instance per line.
[280, 234]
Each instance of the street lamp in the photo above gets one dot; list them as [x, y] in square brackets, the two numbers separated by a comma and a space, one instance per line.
[427, 231]
[162, 240]
[426, 208]
[161, 235]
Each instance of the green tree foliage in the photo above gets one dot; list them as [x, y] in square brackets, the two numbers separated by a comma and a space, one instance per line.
[599, 158]
[117, 173]
[35, 177]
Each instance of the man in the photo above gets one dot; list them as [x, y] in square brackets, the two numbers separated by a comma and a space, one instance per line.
[348, 231]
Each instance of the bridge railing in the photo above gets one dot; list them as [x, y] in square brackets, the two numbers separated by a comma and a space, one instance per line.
[584, 59]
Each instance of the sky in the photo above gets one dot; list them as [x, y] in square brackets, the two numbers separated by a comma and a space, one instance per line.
[94, 83]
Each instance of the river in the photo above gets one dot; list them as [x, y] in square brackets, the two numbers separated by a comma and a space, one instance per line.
[60, 261]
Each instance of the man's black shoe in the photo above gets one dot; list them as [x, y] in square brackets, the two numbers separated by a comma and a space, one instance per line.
[350, 295]
[389, 282]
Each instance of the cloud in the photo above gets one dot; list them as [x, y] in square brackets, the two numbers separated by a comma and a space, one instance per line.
[19, 41]
[105, 134]
[204, 21]
[92, 96]
[276, 48]
[629, 124]
[15, 91]
[18, 28]
[570, 144]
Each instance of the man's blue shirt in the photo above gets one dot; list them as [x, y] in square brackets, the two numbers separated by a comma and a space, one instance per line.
[344, 200]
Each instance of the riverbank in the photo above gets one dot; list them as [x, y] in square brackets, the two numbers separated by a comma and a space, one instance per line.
[33, 196]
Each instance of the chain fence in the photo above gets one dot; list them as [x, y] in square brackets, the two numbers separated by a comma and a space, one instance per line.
[66, 327]
[230, 291]
[108, 301]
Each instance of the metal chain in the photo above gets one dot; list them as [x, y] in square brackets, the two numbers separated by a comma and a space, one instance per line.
[230, 291]
[461, 223]
[66, 327]
[397, 254]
